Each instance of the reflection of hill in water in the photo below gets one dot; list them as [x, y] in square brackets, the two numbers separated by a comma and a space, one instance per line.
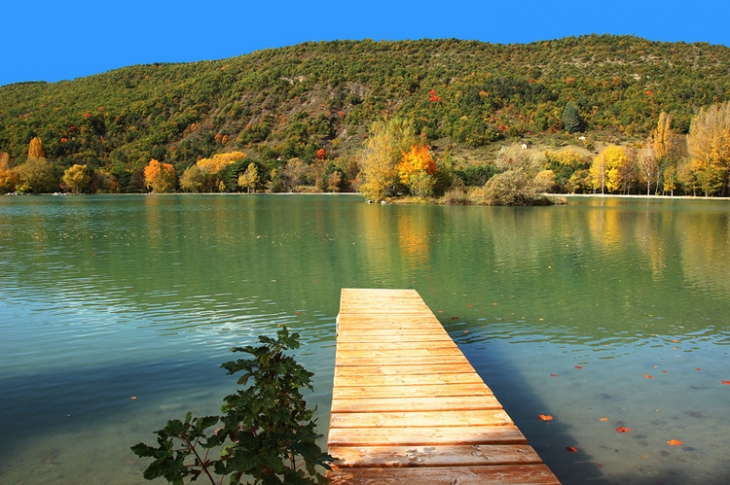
[596, 265]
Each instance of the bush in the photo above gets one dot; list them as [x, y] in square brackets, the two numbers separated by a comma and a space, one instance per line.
[266, 433]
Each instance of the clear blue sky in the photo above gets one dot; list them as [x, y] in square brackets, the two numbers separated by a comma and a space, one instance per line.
[48, 40]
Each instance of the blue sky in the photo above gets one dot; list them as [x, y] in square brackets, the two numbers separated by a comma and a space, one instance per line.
[50, 40]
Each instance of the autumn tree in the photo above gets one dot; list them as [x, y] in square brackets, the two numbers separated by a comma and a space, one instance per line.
[708, 142]
[76, 178]
[160, 177]
[36, 174]
[417, 170]
[250, 178]
[612, 169]
[381, 154]
[648, 163]
[8, 177]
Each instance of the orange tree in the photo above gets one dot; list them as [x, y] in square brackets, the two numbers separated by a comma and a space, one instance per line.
[160, 177]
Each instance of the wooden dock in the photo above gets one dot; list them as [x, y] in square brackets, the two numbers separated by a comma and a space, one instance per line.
[407, 407]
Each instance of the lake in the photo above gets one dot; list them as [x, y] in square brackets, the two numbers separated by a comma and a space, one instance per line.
[117, 311]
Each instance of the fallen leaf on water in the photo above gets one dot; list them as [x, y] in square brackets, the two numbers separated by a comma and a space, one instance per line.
[555, 375]
[674, 442]
[647, 376]
[676, 341]
[622, 429]
[466, 331]
[133, 398]
[571, 449]
[299, 313]
[727, 383]
[544, 417]
[698, 368]
[578, 366]
[603, 419]
[454, 318]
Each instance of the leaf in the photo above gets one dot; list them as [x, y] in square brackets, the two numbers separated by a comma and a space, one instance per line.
[727, 383]
[553, 375]
[674, 442]
[544, 417]
[571, 449]
[603, 419]
[623, 429]
[578, 366]
[647, 376]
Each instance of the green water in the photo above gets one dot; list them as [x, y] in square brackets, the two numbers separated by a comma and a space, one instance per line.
[116, 312]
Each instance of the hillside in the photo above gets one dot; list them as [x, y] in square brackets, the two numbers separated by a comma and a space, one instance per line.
[290, 102]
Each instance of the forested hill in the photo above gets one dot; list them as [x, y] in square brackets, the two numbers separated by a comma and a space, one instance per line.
[290, 102]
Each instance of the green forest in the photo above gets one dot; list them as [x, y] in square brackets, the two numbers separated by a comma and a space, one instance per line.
[300, 117]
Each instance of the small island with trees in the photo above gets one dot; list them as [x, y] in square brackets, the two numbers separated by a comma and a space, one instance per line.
[434, 121]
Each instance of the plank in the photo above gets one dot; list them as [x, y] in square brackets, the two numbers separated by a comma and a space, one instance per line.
[434, 390]
[472, 475]
[394, 370]
[389, 404]
[410, 419]
[453, 435]
[445, 455]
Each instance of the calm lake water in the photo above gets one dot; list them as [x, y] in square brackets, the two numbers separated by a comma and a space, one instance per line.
[117, 311]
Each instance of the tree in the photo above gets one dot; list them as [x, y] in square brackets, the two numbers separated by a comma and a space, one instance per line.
[572, 121]
[76, 178]
[293, 174]
[648, 164]
[35, 148]
[417, 170]
[381, 154]
[708, 142]
[8, 177]
[250, 178]
[266, 433]
[193, 179]
[36, 174]
[160, 177]
[612, 169]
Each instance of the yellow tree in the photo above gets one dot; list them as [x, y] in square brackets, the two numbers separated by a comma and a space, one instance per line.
[662, 137]
[35, 148]
[417, 170]
[160, 177]
[250, 178]
[379, 156]
[76, 178]
[708, 142]
[648, 163]
[8, 177]
[612, 169]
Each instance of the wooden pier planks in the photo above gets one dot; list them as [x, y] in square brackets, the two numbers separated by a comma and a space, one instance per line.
[408, 407]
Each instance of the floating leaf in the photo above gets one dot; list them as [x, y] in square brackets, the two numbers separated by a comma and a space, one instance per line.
[647, 376]
[578, 366]
[727, 383]
[571, 449]
[553, 375]
[454, 318]
[623, 429]
[603, 419]
[698, 368]
[674, 442]
[544, 417]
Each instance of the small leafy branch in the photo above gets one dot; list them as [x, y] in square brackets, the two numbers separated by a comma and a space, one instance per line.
[266, 434]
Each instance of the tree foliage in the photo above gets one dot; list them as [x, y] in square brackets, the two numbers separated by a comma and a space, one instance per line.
[380, 155]
[76, 178]
[160, 177]
[709, 147]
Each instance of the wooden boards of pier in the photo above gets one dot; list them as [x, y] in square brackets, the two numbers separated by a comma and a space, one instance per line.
[407, 407]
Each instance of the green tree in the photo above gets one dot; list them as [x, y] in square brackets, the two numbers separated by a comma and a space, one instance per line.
[572, 121]
[708, 142]
[36, 175]
[193, 179]
[266, 434]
